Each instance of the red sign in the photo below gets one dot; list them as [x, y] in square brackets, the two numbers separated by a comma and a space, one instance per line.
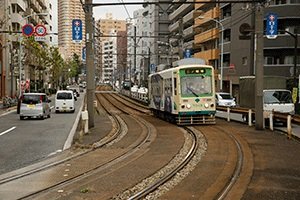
[40, 30]
[27, 30]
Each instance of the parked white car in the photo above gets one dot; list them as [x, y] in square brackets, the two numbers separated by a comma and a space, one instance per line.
[225, 99]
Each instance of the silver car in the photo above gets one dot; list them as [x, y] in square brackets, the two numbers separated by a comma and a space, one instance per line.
[225, 99]
[35, 105]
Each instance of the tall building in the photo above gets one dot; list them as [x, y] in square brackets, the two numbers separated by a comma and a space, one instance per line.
[53, 27]
[107, 27]
[67, 11]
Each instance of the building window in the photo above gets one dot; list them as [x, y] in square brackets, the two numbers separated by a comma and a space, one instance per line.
[226, 60]
[278, 2]
[226, 11]
[269, 60]
[244, 60]
[227, 34]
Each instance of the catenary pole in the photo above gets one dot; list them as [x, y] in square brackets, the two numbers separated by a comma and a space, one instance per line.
[259, 67]
[90, 72]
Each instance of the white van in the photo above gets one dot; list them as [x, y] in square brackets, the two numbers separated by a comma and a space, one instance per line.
[64, 101]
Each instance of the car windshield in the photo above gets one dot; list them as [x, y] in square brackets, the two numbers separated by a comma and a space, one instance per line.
[277, 97]
[64, 95]
[32, 99]
[226, 96]
[196, 85]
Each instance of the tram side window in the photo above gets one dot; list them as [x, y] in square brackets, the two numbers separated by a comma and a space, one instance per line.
[175, 86]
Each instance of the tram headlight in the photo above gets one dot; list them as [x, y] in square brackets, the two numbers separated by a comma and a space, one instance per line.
[188, 106]
[206, 105]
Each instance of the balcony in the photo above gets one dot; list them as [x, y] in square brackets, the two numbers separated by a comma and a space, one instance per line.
[20, 3]
[188, 32]
[42, 3]
[199, 5]
[211, 14]
[211, 54]
[174, 27]
[189, 18]
[181, 11]
[207, 35]
[17, 18]
[188, 45]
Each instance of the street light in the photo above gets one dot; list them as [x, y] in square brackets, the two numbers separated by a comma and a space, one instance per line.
[20, 52]
[222, 44]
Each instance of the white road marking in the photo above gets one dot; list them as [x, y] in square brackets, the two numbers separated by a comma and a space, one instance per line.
[53, 153]
[8, 130]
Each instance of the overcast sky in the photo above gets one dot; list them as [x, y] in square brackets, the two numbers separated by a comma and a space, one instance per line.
[119, 12]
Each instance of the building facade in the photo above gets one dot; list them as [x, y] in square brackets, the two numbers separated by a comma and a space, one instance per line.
[17, 74]
[237, 52]
[104, 29]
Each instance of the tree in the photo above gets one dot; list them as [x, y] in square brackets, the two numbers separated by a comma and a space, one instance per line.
[57, 64]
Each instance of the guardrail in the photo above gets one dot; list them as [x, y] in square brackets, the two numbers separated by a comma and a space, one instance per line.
[249, 116]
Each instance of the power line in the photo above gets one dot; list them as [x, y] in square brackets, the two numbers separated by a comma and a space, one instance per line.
[168, 3]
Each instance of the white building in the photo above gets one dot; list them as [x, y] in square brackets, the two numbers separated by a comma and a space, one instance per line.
[13, 16]
[109, 59]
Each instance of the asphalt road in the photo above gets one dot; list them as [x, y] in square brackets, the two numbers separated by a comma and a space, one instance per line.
[24, 142]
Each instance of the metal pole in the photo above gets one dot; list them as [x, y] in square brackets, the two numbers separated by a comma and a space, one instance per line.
[295, 60]
[221, 61]
[134, 59]
[181, 38]
[20, 67]
[90, 72]
[259, 67]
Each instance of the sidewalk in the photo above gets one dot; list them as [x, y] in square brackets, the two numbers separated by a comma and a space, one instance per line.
[6, 110]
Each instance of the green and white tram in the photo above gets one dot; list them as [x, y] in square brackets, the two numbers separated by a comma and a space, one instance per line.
[184, 94]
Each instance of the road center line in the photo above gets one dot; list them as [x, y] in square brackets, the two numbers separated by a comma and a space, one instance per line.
[12, 128]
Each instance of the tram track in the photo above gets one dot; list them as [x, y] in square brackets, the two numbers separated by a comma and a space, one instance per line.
[83, 173]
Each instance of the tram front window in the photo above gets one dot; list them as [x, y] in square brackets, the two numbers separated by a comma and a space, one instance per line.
[196, 86]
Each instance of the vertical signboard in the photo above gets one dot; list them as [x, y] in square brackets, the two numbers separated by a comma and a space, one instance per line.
[77, 30]
[271, 31]
[187, 53]
[84, 54]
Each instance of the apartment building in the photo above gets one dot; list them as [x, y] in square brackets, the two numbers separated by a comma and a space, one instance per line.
[13, 16]
[239, 53]
[105, 28]
[67, 11]
[109, 57]
[181, 28]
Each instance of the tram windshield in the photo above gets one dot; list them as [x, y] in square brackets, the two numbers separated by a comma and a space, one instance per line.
[196, 85]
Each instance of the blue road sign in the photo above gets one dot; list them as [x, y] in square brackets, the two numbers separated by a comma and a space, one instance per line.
[187, 53]
[271, 31]
[27, 30]
[152, 68]
[84, 54]
[76, 30]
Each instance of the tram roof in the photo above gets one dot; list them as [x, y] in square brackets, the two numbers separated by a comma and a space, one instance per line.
[189, 61]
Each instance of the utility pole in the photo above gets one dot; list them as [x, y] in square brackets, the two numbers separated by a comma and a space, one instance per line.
[134, 59]
[90, 69]
[181, 38]
[259, 66]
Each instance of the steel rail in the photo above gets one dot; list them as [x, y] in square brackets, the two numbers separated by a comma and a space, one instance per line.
[94, 170]
[188, 157]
